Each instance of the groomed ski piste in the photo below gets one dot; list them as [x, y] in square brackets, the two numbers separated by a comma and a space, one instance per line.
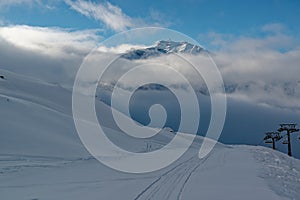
[42, 157]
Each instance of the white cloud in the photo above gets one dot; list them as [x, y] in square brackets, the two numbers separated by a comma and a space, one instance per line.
[6, 3]
[48, 53]
[261, 69]
[123, 48]
[52, 41]
[111, 15]
[273, 27]
[161, 18]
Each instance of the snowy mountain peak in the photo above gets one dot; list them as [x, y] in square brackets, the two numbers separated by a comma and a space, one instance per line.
[178, 47]
[163, 47]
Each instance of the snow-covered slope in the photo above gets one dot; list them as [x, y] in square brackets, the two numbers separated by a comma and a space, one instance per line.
[228, 173]
[41, 157]
[36, 118]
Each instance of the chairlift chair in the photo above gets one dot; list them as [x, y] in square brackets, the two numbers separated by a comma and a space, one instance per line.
[285, 142]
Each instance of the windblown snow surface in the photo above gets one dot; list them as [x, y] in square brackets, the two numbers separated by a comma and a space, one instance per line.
[41, 157]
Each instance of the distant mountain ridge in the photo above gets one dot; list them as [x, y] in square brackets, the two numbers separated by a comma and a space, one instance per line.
[163, 47]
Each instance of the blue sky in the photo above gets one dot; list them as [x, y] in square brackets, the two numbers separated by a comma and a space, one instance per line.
[192, 17]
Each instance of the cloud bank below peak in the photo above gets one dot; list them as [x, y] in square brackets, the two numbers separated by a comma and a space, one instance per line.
[264, 69]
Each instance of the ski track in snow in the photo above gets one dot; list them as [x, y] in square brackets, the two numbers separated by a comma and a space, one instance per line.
[10, 163]
[171, 184]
